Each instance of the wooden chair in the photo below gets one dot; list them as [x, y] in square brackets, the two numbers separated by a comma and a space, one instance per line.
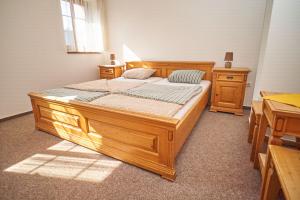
[255, 115]
[282, 174]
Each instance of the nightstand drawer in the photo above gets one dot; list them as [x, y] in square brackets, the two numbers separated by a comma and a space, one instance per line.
[230, 77]
[110, 71]
[106, 71]
[107, 76]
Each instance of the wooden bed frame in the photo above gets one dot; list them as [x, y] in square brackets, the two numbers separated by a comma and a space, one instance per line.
[146, 141]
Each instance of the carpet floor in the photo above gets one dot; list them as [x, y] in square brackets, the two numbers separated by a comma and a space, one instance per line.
[213, 164]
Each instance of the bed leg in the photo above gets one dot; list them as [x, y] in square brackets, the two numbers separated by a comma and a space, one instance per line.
[169, 177]
[37, 128]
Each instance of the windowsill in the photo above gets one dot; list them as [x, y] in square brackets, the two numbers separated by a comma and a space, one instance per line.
[79, 52]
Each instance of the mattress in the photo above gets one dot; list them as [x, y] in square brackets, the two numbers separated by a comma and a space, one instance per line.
[180, 114]
[138, 105]
[175, 111]
[167, 93]
[148, 80]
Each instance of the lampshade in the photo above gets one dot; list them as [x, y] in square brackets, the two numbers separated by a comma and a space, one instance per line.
[228, 56]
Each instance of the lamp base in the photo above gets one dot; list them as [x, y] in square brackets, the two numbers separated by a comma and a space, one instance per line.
[227, 64]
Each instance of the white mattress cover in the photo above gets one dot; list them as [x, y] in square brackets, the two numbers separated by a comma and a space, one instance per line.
[148, 80]
[180, 114]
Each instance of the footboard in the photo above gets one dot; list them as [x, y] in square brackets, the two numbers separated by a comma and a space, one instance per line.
[144, 141]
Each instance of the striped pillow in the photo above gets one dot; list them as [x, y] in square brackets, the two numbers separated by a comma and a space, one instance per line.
[186, 76]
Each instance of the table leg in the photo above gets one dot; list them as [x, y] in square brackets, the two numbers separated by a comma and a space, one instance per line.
[260, 139]
[254, 139]
[251, 126]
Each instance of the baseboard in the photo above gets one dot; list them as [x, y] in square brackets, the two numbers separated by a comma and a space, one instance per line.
[245, 107]
[15, 116]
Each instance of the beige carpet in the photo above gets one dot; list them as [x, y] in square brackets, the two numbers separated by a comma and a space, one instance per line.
[213, 164]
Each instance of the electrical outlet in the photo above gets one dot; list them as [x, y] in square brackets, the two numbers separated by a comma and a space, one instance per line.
[248, 84]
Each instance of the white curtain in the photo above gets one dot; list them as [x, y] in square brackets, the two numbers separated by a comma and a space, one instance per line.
[87, 27]
[68, 25]
[93, 26]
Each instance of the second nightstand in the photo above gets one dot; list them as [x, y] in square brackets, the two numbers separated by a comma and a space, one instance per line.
[228, 89]
[110, 71]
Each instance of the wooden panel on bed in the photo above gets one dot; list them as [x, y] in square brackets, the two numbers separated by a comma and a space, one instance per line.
[165, 68]
[63, 117]
[143, 141]
[135, 139]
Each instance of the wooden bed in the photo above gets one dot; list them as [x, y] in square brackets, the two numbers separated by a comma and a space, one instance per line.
[146, 141]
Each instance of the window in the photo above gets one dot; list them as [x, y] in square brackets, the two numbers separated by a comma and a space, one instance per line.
[82, 25]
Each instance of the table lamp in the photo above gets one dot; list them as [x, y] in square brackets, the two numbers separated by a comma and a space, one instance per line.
[228, 58]
[112, 59]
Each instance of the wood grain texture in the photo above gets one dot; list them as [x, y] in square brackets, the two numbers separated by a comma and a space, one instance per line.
[147, 141]
[287, 164]
[228, 90]
[165, 68]
[262, 163]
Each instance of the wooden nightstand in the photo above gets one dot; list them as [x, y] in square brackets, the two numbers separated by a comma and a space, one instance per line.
[228, 90]
[110, 71]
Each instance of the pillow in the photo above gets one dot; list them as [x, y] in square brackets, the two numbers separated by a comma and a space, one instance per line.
[138, 73]
[186, 76]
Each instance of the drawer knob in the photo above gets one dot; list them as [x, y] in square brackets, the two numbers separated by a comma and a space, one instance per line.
[229, 77]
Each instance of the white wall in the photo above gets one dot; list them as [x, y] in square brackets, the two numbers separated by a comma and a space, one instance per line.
[279, 66]
[200, 30]
[32, 53]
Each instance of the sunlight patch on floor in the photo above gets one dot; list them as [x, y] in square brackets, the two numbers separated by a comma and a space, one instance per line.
[84, 169]
[71, 147]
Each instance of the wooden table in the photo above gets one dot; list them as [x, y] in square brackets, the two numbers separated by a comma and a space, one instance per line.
[282, 172]
[283, 119]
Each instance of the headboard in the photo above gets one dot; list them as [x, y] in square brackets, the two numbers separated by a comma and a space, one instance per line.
[165, 68]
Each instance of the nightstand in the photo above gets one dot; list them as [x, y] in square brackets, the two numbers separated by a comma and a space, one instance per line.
[228, 90]
[110, 71]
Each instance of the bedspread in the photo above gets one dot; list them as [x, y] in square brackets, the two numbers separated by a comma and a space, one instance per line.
[167, 93]
[140, 105]
[65, 94]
